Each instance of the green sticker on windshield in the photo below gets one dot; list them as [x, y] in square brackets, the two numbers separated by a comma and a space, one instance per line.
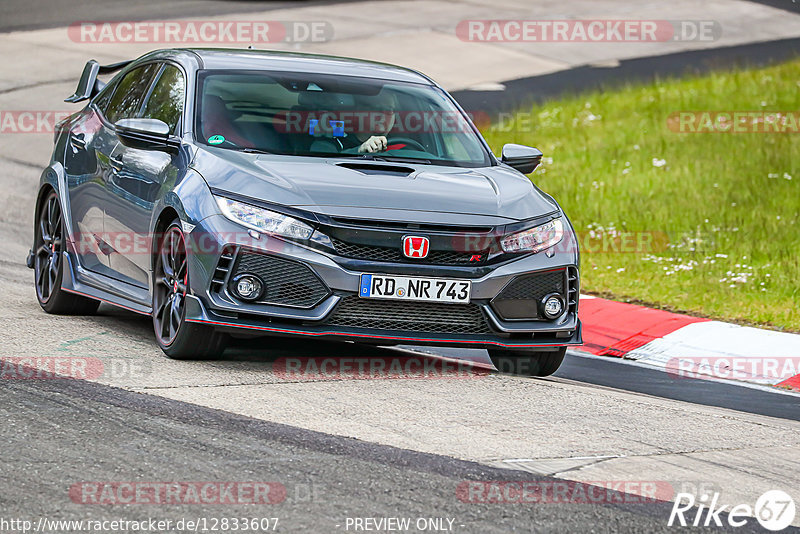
[216, 139]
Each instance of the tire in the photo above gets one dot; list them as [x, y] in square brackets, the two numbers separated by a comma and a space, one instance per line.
[49, 264]
[527, 362]
[180, 340]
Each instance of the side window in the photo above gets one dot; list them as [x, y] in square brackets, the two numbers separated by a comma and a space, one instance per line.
[102, 99]
[166, 99]
[127, 99]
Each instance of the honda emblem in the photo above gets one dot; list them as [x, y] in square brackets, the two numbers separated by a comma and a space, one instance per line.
[415, 246]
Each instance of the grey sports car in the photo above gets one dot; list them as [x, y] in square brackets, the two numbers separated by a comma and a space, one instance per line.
[265, 193]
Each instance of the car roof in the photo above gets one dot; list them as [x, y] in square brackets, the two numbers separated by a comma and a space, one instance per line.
[246, 59]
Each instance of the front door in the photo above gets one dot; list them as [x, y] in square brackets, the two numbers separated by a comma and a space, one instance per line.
[141, 178]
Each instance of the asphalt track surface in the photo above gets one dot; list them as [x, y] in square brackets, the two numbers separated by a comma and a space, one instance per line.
[89, 433]
[537, 89]
[35, 14]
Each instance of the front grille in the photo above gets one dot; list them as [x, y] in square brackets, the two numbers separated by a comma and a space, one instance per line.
[286, 282]
[395, 254]
[520, 299]
[422, 317]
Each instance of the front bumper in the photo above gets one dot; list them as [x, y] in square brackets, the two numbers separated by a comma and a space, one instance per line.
[210, 302]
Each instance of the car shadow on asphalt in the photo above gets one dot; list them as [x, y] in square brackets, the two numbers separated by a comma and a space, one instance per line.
[306, 358]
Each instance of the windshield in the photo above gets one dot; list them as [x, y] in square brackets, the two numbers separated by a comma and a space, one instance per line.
[325, 115]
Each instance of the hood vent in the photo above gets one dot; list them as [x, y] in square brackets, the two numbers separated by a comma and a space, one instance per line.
[377, 168]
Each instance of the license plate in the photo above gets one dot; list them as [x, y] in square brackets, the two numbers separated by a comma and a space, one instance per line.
[381, 286]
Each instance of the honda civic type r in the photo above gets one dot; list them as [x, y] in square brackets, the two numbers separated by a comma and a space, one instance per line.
[265, 193]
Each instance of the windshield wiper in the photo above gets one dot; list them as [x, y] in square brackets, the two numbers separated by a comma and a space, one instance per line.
[347, 155]
[381, 157]
[399, 159]
[249, 150]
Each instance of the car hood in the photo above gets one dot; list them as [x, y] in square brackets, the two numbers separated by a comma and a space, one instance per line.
[334, 187]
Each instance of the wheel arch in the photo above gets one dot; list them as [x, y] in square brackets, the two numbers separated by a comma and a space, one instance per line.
[41, 196]
[47, 183]
[167, 215]
[189, 201]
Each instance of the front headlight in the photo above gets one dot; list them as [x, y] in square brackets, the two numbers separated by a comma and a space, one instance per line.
[266, 221]
[535, 239]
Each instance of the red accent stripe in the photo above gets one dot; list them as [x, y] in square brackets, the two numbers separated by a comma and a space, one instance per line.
[616, 328]
[791, 383]
[104, 300]
[369, 336]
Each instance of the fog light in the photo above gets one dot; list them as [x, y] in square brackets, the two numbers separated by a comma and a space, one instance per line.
[247, 286]
[552, 306]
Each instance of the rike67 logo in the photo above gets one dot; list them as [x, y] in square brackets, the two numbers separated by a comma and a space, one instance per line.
[774, 510]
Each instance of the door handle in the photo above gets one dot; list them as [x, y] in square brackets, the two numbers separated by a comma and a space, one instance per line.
[116, 163]
[77, 141]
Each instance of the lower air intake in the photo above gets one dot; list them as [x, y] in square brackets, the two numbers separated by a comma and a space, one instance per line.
[423, 317]
[286, 282]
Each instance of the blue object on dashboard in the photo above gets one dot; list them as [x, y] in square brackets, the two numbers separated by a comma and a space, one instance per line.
[338, 128]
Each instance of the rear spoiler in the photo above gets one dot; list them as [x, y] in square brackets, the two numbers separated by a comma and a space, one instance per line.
[89, 85]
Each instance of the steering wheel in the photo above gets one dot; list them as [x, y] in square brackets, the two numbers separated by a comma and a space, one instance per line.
[406, 141]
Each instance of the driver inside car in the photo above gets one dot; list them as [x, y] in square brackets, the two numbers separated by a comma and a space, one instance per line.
[371, 121]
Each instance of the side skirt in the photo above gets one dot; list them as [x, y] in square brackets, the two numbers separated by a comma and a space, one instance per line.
[103, 288]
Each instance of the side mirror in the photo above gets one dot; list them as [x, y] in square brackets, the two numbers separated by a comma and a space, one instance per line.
[146, 134]
[523, 158]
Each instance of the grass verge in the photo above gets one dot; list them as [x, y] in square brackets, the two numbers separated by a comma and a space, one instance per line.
[720, 210]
